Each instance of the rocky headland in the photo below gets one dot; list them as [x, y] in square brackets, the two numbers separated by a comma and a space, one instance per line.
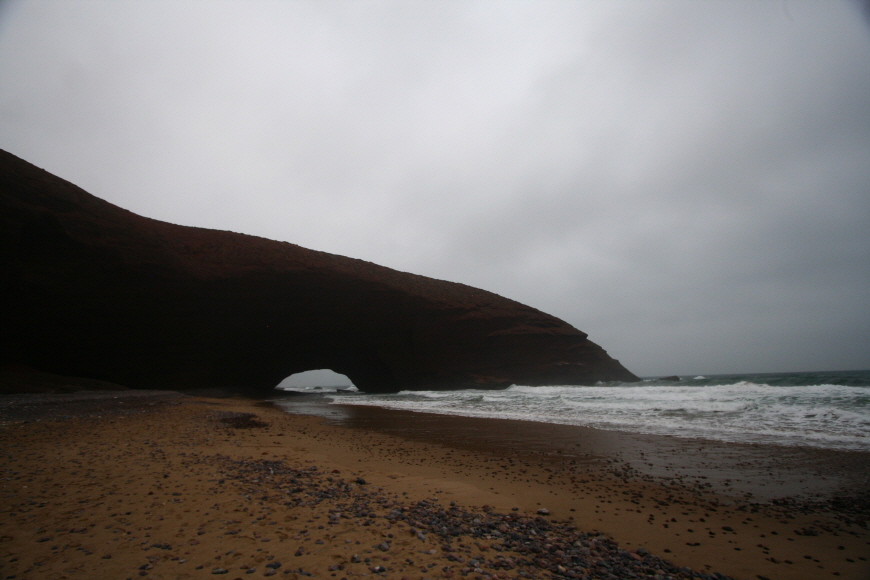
[91, 290]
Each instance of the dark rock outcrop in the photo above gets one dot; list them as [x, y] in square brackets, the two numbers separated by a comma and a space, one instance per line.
[91, 290]
[14, 379]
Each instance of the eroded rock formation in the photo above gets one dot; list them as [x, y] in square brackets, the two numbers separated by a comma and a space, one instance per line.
[91, 290]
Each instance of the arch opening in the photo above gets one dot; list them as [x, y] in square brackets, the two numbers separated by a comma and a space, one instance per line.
[316, 380]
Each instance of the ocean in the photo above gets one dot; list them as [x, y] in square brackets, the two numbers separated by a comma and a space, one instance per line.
[829, 410]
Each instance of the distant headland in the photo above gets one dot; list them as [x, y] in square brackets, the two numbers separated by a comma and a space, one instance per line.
[94, 291]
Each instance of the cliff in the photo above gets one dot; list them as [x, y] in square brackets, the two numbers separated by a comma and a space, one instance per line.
[92, 290]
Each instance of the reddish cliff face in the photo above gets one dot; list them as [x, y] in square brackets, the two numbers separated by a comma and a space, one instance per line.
[91, 290]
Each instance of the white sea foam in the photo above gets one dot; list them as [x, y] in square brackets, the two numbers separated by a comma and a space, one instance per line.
[825, 415]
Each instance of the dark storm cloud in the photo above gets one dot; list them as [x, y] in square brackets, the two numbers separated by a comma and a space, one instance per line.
[687, 182]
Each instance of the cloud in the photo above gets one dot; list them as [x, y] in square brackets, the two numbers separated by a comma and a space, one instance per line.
[686, 182]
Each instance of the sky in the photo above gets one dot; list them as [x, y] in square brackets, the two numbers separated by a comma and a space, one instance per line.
[688, 182]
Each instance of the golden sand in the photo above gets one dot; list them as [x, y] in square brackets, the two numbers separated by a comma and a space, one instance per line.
[182, 489]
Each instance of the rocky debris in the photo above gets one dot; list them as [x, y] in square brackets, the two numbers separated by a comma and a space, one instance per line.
[848, 508]
[93, 291]
[53, 406]
[241, 420]
[472, 541]
[268, 509]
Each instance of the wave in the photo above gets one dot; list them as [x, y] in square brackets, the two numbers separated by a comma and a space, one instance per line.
[820, 415]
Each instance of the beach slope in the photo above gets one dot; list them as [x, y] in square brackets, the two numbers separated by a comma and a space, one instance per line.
[159, 485]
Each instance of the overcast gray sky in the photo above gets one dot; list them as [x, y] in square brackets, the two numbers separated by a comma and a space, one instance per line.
[687, 182]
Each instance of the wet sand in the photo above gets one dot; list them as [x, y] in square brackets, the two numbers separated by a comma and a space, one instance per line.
[190, 487]
[756, 472]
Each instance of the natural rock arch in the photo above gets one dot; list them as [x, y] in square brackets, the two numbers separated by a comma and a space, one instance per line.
[92, 290]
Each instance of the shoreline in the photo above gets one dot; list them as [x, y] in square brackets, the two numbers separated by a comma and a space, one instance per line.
[112, 459]
[760, 471]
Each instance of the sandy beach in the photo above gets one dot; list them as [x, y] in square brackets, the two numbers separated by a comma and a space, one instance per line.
[160, 485]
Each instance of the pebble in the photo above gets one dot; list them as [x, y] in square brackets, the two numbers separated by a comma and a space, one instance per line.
[531, 545]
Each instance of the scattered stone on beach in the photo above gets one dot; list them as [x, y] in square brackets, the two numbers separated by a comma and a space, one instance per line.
[506, 542]
[185, 491]
[242, 420]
